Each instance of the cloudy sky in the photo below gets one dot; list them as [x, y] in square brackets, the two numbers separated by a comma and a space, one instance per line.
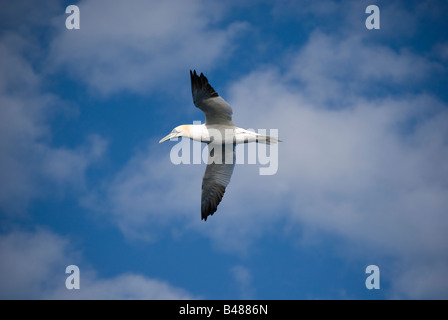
[362, 170]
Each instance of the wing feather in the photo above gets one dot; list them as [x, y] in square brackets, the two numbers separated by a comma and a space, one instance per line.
[216, 178]
[215, 108]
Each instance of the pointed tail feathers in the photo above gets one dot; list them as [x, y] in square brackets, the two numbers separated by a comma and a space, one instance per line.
[267, 139]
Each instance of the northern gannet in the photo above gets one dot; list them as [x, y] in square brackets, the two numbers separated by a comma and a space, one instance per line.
[221, 135]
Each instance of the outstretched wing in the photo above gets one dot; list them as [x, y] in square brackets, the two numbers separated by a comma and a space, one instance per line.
[216, 178]
[216, 109]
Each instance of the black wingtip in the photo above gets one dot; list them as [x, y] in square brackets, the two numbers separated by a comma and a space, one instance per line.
[205, 216]
[200, 83]
[207, 211]
[209, 207]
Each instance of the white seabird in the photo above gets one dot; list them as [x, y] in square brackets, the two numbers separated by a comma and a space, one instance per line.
[221, 135]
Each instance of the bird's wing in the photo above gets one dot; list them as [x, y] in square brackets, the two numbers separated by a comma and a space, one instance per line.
[216, 109]
[216, 178]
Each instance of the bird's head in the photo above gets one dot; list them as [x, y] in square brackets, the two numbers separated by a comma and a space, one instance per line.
[180, 131]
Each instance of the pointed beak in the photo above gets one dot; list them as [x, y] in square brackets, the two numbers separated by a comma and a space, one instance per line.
[170, 136]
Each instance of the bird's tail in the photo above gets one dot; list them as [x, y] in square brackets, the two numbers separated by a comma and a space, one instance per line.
[267, 139]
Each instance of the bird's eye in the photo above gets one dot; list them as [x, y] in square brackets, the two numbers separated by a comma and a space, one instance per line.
[174, 131]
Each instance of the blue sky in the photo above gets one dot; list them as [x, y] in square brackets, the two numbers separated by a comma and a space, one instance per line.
[362, 177]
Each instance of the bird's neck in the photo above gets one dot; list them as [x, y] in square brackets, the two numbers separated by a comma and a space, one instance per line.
[194, 131]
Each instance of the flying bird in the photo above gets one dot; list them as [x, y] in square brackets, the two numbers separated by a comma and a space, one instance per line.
[221, 135]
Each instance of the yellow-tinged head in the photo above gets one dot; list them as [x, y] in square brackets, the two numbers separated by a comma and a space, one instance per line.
[180, 131]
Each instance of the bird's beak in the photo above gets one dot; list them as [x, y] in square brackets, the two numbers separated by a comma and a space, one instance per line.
[170, 136]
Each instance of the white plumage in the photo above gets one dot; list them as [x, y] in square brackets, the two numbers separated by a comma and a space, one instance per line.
[221, 135]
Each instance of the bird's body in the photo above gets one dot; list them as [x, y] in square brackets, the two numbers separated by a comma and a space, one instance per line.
[221, 135]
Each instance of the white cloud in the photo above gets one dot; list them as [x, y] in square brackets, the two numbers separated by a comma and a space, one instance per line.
[371, 171]
[32, 266]
[441, 51]
[127, 286]
[139, 45]
[356, 162]
[243, 279]
[399, 19]
[29, 164]
[426, 279]
[333, 69]
[29, 263]
[150, 193]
